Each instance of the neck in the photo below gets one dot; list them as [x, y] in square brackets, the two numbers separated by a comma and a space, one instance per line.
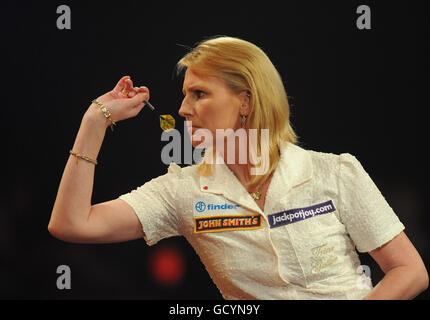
[237, 157]
[239, 163]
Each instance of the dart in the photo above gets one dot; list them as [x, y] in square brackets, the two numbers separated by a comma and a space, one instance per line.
[167, 122]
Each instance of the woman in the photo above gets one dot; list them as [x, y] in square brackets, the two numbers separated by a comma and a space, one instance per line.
[288, 233]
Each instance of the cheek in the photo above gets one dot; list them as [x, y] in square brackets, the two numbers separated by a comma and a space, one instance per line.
[208, 114]
[221, 114]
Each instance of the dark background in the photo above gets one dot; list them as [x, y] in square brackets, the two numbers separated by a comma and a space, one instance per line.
[357, 91]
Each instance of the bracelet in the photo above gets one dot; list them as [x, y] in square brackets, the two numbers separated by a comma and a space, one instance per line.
[81, 156]
[105, 112]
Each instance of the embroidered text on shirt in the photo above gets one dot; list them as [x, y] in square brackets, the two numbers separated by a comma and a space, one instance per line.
[321, 258]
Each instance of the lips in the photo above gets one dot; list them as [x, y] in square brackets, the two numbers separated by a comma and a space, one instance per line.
[192, 128]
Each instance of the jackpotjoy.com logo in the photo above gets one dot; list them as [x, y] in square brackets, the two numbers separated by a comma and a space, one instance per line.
[232, 147]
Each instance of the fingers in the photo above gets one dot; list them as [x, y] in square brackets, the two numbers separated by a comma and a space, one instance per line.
[142, 89]
[139, 97]
[137, 100]
[121, 84]
[128, 85]
[124, 88]
[138, 90]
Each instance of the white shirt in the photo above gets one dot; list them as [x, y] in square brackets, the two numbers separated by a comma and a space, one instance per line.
[319, 207]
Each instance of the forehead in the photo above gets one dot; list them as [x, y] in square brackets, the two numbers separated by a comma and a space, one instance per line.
[194, 79]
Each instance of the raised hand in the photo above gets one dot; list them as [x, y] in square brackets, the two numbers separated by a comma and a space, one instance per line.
[124, 101]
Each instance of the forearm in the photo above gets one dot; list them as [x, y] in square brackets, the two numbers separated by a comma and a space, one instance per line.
[400, 283]
[73, 202]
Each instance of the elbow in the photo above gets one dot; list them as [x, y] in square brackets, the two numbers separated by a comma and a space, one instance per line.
[53, 225]
[55, 231]
[421, 279]
[68, 232]
[60, 232]
[425, 280]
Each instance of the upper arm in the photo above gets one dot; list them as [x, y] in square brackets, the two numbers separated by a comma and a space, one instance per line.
[398, 252]
[367, 216]
[147, 212]
[108, 222]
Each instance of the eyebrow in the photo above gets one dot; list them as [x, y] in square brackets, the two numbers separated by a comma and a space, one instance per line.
[193, 86]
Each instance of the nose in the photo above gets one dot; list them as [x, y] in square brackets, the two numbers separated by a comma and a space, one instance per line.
[186, 110]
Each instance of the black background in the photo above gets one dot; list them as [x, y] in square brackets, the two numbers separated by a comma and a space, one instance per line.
[357, 91]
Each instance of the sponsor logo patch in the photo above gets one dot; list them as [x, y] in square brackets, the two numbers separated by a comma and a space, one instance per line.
[224, 223]
[201, 206]
[290, 216]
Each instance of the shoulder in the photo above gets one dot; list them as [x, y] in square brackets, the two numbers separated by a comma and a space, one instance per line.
[330, 161]
[326, 164]
[175, 175]
[323, 158]
[324, 161]
[183, 173]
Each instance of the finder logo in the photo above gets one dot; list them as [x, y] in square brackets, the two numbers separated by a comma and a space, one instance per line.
[201, 206]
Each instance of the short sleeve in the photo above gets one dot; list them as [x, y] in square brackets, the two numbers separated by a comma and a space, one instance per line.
[367, 216]
[154, 205]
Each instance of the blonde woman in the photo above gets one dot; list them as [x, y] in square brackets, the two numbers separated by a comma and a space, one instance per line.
[289, 233]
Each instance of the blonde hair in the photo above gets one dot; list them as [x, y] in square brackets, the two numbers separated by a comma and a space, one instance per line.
[244, 66]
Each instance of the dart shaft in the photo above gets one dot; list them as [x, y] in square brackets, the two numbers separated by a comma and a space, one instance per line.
[149, 105]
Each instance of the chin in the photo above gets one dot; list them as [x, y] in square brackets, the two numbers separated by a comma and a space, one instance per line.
[200, 144]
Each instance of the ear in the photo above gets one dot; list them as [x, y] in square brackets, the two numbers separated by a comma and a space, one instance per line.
[245, 98]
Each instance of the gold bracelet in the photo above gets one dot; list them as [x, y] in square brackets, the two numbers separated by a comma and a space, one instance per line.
[105, 112]
[81, 156]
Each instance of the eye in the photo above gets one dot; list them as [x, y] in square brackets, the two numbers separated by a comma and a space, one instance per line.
[199, 94]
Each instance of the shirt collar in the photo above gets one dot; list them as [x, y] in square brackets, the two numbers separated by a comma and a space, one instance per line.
[294, 168]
